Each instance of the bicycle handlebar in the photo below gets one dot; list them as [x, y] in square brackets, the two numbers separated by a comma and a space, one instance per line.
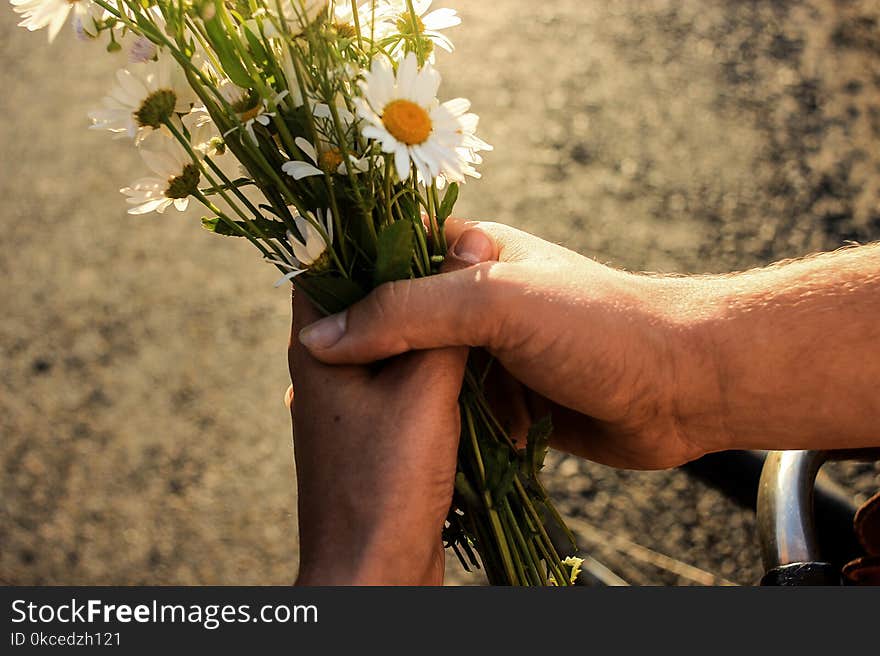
[786, 524]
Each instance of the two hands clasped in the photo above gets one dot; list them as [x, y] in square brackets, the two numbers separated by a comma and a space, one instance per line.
[637, 371]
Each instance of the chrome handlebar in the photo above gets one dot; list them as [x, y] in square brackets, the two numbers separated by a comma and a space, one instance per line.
[786, 523]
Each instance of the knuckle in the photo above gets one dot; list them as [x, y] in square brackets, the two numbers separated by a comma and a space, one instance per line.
[389, 300]
[387, 314]
[488, 301]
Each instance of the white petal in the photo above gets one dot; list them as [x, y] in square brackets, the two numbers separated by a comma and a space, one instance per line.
[290, 276]
[329, 225]
[300, 170]
[300, 252]
[407, 72]
[379, 84]
[307, 148]
[440, 19]
[57, 23]
[427, 84]
[457, 106]
[401, 161]
[161, 163]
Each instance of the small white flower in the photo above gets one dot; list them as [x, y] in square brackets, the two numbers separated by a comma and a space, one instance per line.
[309, 252]
[312, 246]
[87, 21]
[143, 96]
[427, 23]
[405, 117]
[176, 177]
[251, 110]
[375, 18]
[327, 159]
[52, 14]
[204, 137]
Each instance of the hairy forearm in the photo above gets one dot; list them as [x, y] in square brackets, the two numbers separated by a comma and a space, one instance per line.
[786, 357]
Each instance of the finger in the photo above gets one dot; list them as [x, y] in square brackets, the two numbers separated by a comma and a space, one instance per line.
[288, 397]
[439, 370]
[450, 309]
[468, 245]
[438, 311]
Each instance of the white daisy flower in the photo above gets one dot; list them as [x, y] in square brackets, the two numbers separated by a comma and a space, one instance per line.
[250, 108]
[375, 18]
[204, 137]
[176, 177]
[143, 97]
[326, 159]
[310, 252]
[87, 21]
[428, 24]
[405, 117]
[52, 14]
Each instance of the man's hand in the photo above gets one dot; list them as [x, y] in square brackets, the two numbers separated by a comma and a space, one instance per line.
[643, 371]
[375, 458]
[585, 340]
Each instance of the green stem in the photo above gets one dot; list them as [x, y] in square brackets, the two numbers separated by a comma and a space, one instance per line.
[357, 24]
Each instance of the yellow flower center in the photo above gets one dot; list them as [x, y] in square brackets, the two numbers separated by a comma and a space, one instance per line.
[346, 31]
[247, 115]
[407, 122]
[329, 162]
[405, 24]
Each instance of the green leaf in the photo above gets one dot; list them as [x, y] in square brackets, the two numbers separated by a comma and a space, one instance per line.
[225, 50]
[395, 251]
[409, 207]
[538, 443]
[329, 293]
[256, 46]
[501, 468]
[448, 202]
[272, 229]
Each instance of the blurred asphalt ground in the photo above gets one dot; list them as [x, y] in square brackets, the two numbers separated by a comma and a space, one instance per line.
[143, 438]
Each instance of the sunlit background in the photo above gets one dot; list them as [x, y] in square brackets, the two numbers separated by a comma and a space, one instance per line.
[143, 438]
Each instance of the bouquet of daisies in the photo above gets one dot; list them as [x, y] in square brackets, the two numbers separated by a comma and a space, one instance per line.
[313, 130]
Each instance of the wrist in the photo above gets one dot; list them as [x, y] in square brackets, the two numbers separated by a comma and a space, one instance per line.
[688, 310]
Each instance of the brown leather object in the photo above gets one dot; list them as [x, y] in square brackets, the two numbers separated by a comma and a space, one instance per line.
[866, 570]
[867, 525]
[862, 571]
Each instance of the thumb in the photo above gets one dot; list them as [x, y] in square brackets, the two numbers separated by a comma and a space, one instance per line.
[449, 309]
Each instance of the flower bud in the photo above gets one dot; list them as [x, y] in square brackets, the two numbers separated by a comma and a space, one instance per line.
[142, 51]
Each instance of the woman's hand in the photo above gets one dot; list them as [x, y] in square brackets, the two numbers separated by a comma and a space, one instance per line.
[375, 458]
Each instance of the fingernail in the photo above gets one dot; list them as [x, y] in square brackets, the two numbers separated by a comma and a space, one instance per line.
[473, 246]
[324, 333]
